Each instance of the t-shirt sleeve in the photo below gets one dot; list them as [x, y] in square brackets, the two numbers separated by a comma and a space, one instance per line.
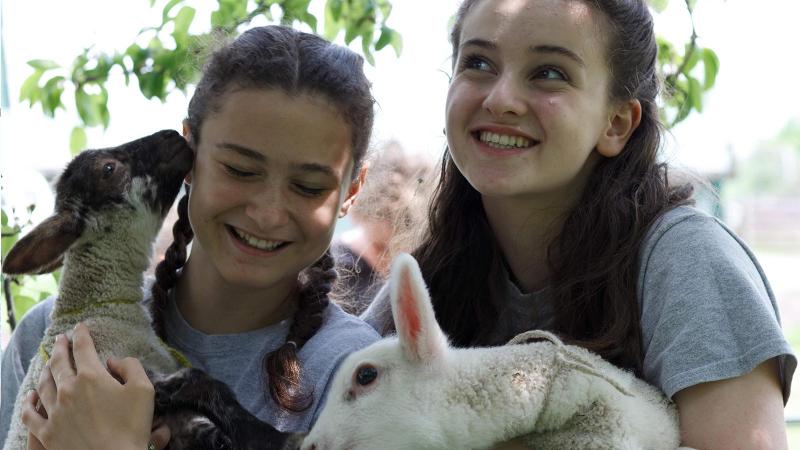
[379, 313]
[708, 312]
[17, 356]
[343, 335]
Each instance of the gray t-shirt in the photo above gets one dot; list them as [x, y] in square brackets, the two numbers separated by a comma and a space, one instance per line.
[708, 312]
[232, 358]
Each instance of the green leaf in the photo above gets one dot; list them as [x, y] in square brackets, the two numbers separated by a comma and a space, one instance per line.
[711, 66]
[51, 98]
[385, 38]
[334, 7]
[397, 42]
[30, 88]
[695, 94]
[183, 19]
[42, 64]
[166, 10]
[88, 107]
[77, 140]
[694, 57]
[659, 5]
[332, 23]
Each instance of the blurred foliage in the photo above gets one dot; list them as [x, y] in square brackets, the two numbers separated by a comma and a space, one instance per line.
[172, 56]
[688, 71]
[772, 169]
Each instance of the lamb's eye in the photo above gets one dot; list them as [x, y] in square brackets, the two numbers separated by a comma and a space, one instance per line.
[108, 169]
[366, 374]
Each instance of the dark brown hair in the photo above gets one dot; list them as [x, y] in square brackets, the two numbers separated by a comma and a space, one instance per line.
[593, 260]
[277, 57]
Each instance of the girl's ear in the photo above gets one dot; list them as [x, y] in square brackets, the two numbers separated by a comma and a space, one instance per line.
[355, 188]
[420, 337]
[187, 134]
[624, 118]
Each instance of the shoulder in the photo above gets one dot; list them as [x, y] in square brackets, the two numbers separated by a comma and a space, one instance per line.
[707, 310]
[342, 333]
[686, 228]
[379, 313]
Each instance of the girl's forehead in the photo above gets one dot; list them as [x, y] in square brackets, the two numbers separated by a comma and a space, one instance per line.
[298, 129]
[571, 23]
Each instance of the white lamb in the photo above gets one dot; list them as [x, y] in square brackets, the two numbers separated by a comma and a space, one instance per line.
[110, 204]
[416, 392]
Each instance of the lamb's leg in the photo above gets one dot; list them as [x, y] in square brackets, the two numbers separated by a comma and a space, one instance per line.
[191, 390]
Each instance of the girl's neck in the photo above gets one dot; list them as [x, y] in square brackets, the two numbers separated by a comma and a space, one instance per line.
[524, 227]
[213, 306]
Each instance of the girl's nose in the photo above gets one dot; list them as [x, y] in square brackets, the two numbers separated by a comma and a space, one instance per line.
[267, 208]
[506, 96]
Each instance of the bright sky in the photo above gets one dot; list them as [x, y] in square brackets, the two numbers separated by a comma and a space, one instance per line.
[757, 88]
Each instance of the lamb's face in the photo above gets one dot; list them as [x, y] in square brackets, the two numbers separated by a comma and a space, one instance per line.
[386, 395]
[376, 400]
[145, 173]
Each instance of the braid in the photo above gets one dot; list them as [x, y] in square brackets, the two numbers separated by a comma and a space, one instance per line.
[167, 269]
[282, 365]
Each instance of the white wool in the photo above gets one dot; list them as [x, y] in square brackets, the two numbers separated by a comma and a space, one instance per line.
[429, 396]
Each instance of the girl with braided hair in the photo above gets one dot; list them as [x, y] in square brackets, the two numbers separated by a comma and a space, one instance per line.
[279, 124]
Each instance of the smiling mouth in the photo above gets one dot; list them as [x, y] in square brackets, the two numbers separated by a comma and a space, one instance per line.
[504, 141]
[255, 242]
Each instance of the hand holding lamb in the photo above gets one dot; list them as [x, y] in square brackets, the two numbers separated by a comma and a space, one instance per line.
[416, 392]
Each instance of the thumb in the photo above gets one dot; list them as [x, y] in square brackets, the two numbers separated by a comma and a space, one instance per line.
[160, 436]
[126, 370]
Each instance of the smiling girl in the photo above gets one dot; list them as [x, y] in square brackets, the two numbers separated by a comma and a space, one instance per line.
[553, 212]
[279, 123]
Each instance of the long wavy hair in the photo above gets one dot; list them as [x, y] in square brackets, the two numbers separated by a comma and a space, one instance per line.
[276, 57]
[593, 260]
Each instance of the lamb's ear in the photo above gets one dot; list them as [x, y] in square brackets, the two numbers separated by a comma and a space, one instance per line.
[420, 336]
[42, 250]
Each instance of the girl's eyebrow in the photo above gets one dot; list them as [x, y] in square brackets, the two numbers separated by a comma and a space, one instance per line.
[243, 151]
[477, 42]
[552, 49]
[559, 51]
[260, 158]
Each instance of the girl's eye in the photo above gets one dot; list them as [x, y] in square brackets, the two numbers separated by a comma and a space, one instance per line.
[309, 191]
[237, 172]
[550, 73]
[366, 374]
[475, 63]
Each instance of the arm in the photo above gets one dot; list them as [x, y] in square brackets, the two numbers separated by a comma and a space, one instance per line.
[86, 406]
[745, 412]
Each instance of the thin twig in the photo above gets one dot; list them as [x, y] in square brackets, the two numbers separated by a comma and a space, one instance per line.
[12, 321]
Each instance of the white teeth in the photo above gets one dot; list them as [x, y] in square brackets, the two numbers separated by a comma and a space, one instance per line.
[504, 140]
[256, 242]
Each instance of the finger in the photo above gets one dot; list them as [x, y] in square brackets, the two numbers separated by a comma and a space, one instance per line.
[60, 360]
[127, 370]
[160, 436]
[33, 443]
[46, 388]
[83, 349]
[38, 406]
[30, 418]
